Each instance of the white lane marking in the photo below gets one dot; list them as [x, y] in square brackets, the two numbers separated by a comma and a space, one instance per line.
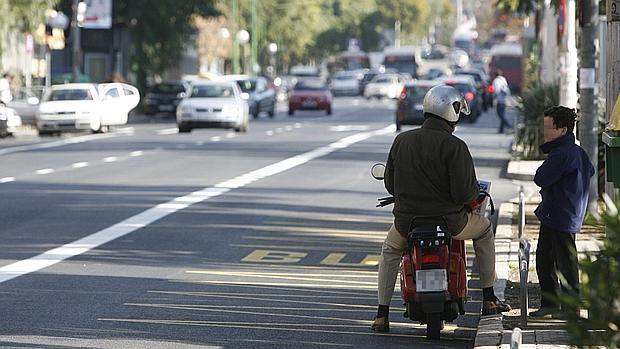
[297, 125]
[230, 135]
[73, 140]
[279, 130]
[79, 164]
[345, 128]
[269, 133]
[7, 179]
[168, 131]
[288, 127]
[155, 213]
[44, 171]
[110, 159]
[216, 139]
[136, 153]
[200, 143]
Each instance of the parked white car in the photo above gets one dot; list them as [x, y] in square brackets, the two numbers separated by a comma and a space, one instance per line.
[213, 104]
[385, 85]
[77, 107]
[9, 121]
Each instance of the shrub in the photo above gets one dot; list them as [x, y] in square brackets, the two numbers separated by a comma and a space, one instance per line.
[600, 291]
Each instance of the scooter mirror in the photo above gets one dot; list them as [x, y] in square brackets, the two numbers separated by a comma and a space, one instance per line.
[378, 171]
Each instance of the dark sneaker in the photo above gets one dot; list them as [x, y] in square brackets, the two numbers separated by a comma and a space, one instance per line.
[495, 307]
[381, 324]
[544, 312]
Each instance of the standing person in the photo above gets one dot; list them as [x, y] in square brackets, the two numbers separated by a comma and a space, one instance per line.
[564, 181]
[5, 88]
[430, 172]
[500, 92]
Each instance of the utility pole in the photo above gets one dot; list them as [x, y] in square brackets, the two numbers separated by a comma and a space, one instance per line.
[568, 57]
[235, 48]
[613, 66]
[254, 39]
[397, 34]
[588, 126]
[76, 38]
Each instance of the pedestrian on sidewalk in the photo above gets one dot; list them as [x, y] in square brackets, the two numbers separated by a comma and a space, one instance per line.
[500, 92]
[564, 181]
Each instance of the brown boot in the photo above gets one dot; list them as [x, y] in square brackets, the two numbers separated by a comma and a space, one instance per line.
[381, 324]
[495, 307]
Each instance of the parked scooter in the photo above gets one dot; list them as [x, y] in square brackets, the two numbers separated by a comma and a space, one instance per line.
[433, 280]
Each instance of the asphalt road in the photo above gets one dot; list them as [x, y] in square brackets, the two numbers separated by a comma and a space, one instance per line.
[146, 238]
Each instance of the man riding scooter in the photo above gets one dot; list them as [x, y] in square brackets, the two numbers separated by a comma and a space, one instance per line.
[430, 173]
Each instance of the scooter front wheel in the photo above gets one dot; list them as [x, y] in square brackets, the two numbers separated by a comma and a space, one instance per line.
[434, 325]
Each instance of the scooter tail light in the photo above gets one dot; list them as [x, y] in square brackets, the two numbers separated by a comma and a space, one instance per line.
[469, 96]
[491, 89]
[430, 259]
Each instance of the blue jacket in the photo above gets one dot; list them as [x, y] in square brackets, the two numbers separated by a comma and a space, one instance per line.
[564, 181]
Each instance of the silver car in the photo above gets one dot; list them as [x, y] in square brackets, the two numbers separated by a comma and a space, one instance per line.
[213, 104]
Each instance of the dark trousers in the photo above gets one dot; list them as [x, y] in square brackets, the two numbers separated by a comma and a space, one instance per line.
[556, 255]
[501, 113]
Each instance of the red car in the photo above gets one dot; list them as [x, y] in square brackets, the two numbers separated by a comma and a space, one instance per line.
[310, 95]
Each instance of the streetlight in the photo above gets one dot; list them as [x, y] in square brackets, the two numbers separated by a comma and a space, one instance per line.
[243, 37]
[273, 49]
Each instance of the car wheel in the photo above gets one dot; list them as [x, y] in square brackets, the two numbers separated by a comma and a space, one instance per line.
[291, 112]
[272, 112]
[184, 128]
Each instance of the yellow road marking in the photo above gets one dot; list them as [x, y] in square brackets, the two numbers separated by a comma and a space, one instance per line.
[336, 258]
[308, 248]
[259, 256]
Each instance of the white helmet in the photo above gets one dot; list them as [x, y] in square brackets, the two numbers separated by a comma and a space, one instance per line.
[446, 102]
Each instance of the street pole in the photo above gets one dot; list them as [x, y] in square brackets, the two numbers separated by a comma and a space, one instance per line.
[397, 34]
[254, 38]
[75, 35]
[235, 49]
[568, 59]
[613, 66]
[588, 126]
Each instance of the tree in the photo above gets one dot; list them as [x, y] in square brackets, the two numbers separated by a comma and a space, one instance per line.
[158, 33]
[412, 14]
[22, 16]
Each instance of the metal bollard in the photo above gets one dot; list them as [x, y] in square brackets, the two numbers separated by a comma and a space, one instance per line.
[516, 339]
[524, 265]
[521, 212]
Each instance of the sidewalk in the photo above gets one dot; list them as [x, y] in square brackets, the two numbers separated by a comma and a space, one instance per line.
[496, 331]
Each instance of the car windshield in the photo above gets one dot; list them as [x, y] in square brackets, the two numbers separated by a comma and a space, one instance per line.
[168, 88]
[462, 87]
[382, 79]
[475, 75]
[345, 77]
[212, 91]
[310, 85]
[417, 93]
[247, 85]
[81, 94]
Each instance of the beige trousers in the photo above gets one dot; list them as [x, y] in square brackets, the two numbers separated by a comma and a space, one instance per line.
[478, 228]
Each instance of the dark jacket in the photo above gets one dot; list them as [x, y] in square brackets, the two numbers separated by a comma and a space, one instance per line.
[564, 181]
[430, 172]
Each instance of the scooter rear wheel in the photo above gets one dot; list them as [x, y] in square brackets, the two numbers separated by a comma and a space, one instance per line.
[434, 324]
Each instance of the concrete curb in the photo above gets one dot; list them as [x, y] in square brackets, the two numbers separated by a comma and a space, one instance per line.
[490, 328]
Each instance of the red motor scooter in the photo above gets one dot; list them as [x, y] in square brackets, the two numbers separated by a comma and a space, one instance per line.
[433, 280]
